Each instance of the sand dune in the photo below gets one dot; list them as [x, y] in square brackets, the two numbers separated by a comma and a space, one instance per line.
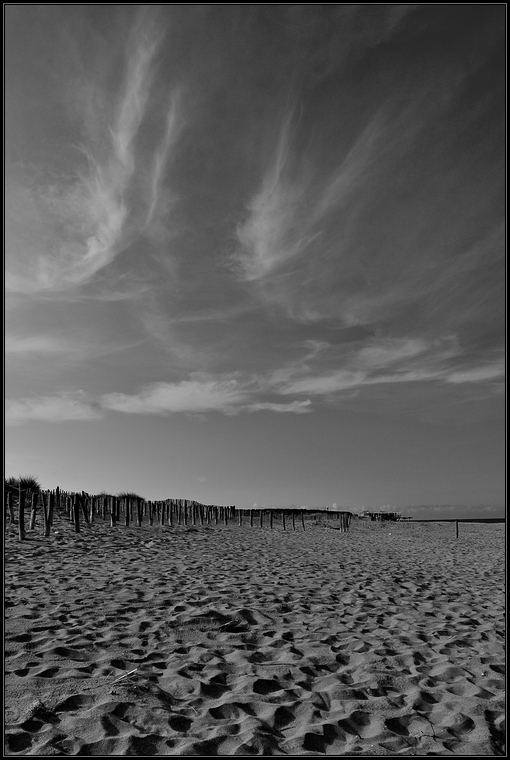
[387, 640]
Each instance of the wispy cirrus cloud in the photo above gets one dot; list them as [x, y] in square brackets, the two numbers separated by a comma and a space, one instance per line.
[74, 406]
[35, 344]
[288, 213]
[296, 407]
[62, 231]
[382, 363]
[75, 348]
[273, 232]
[198, 394]
[229, 394]
[158, 200]
[479, 374]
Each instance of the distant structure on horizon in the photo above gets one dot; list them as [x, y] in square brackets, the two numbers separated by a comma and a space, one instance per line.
[382, 514]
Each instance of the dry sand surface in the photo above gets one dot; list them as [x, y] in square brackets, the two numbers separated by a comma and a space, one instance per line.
[387, 640]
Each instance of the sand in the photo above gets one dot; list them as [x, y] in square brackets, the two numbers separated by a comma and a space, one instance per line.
[387, 640]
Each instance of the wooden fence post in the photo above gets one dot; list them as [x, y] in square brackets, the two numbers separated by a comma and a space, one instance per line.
[240, 517]
[10, 507]
[113, 511]
[261, 517]
[225, 510]
[76, 511]
[34, 511]
[293, 519]
[47, 507]
[21, 515]
[84, 499]
[51, 507]
[303, 518]
[271, 519]
[283, 518]
[251, 517]
[456, 528]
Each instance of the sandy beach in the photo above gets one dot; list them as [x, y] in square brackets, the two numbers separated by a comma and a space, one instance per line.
[221, 640]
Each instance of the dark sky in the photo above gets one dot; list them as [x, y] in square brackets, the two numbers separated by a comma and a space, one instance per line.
[276, 223]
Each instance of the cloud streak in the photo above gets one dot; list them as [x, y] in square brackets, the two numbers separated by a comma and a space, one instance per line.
[199, 394]
[66, 407]
[174, 125]
[288, 213]
[271, 235]
[383, 363]
[81, 223]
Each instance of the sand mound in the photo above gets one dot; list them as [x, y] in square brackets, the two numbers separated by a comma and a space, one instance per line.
[237, 641]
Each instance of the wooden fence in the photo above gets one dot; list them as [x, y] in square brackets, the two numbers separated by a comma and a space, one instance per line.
[458, 520]
[83, 508]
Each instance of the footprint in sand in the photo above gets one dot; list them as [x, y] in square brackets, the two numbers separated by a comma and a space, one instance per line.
[47, 673]
[74, 703]
[18, 741]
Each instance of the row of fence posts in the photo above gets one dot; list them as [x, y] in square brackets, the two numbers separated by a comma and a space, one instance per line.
[82, 507]
[45, 499]
[128, 510]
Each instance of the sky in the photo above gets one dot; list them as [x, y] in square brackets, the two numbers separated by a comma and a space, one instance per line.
[254, 254]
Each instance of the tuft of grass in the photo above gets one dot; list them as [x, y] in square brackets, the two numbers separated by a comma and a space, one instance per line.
[25, 482]
[129, 495]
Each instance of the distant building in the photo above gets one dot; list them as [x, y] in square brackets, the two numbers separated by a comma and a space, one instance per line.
[380, 515]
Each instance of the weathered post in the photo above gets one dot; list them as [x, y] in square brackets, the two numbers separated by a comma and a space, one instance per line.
[293, 519]
[84, 499]
[76, 513]
[283, 518]
[10, 507]
[225, 514]
[456, 528]
[50, 505]
[34, 511]
[303, 518]
[185, 512]
[252, 511]
[113, 511]
[261, 517]
[271, 519]
[201, 513]
[21, 514]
